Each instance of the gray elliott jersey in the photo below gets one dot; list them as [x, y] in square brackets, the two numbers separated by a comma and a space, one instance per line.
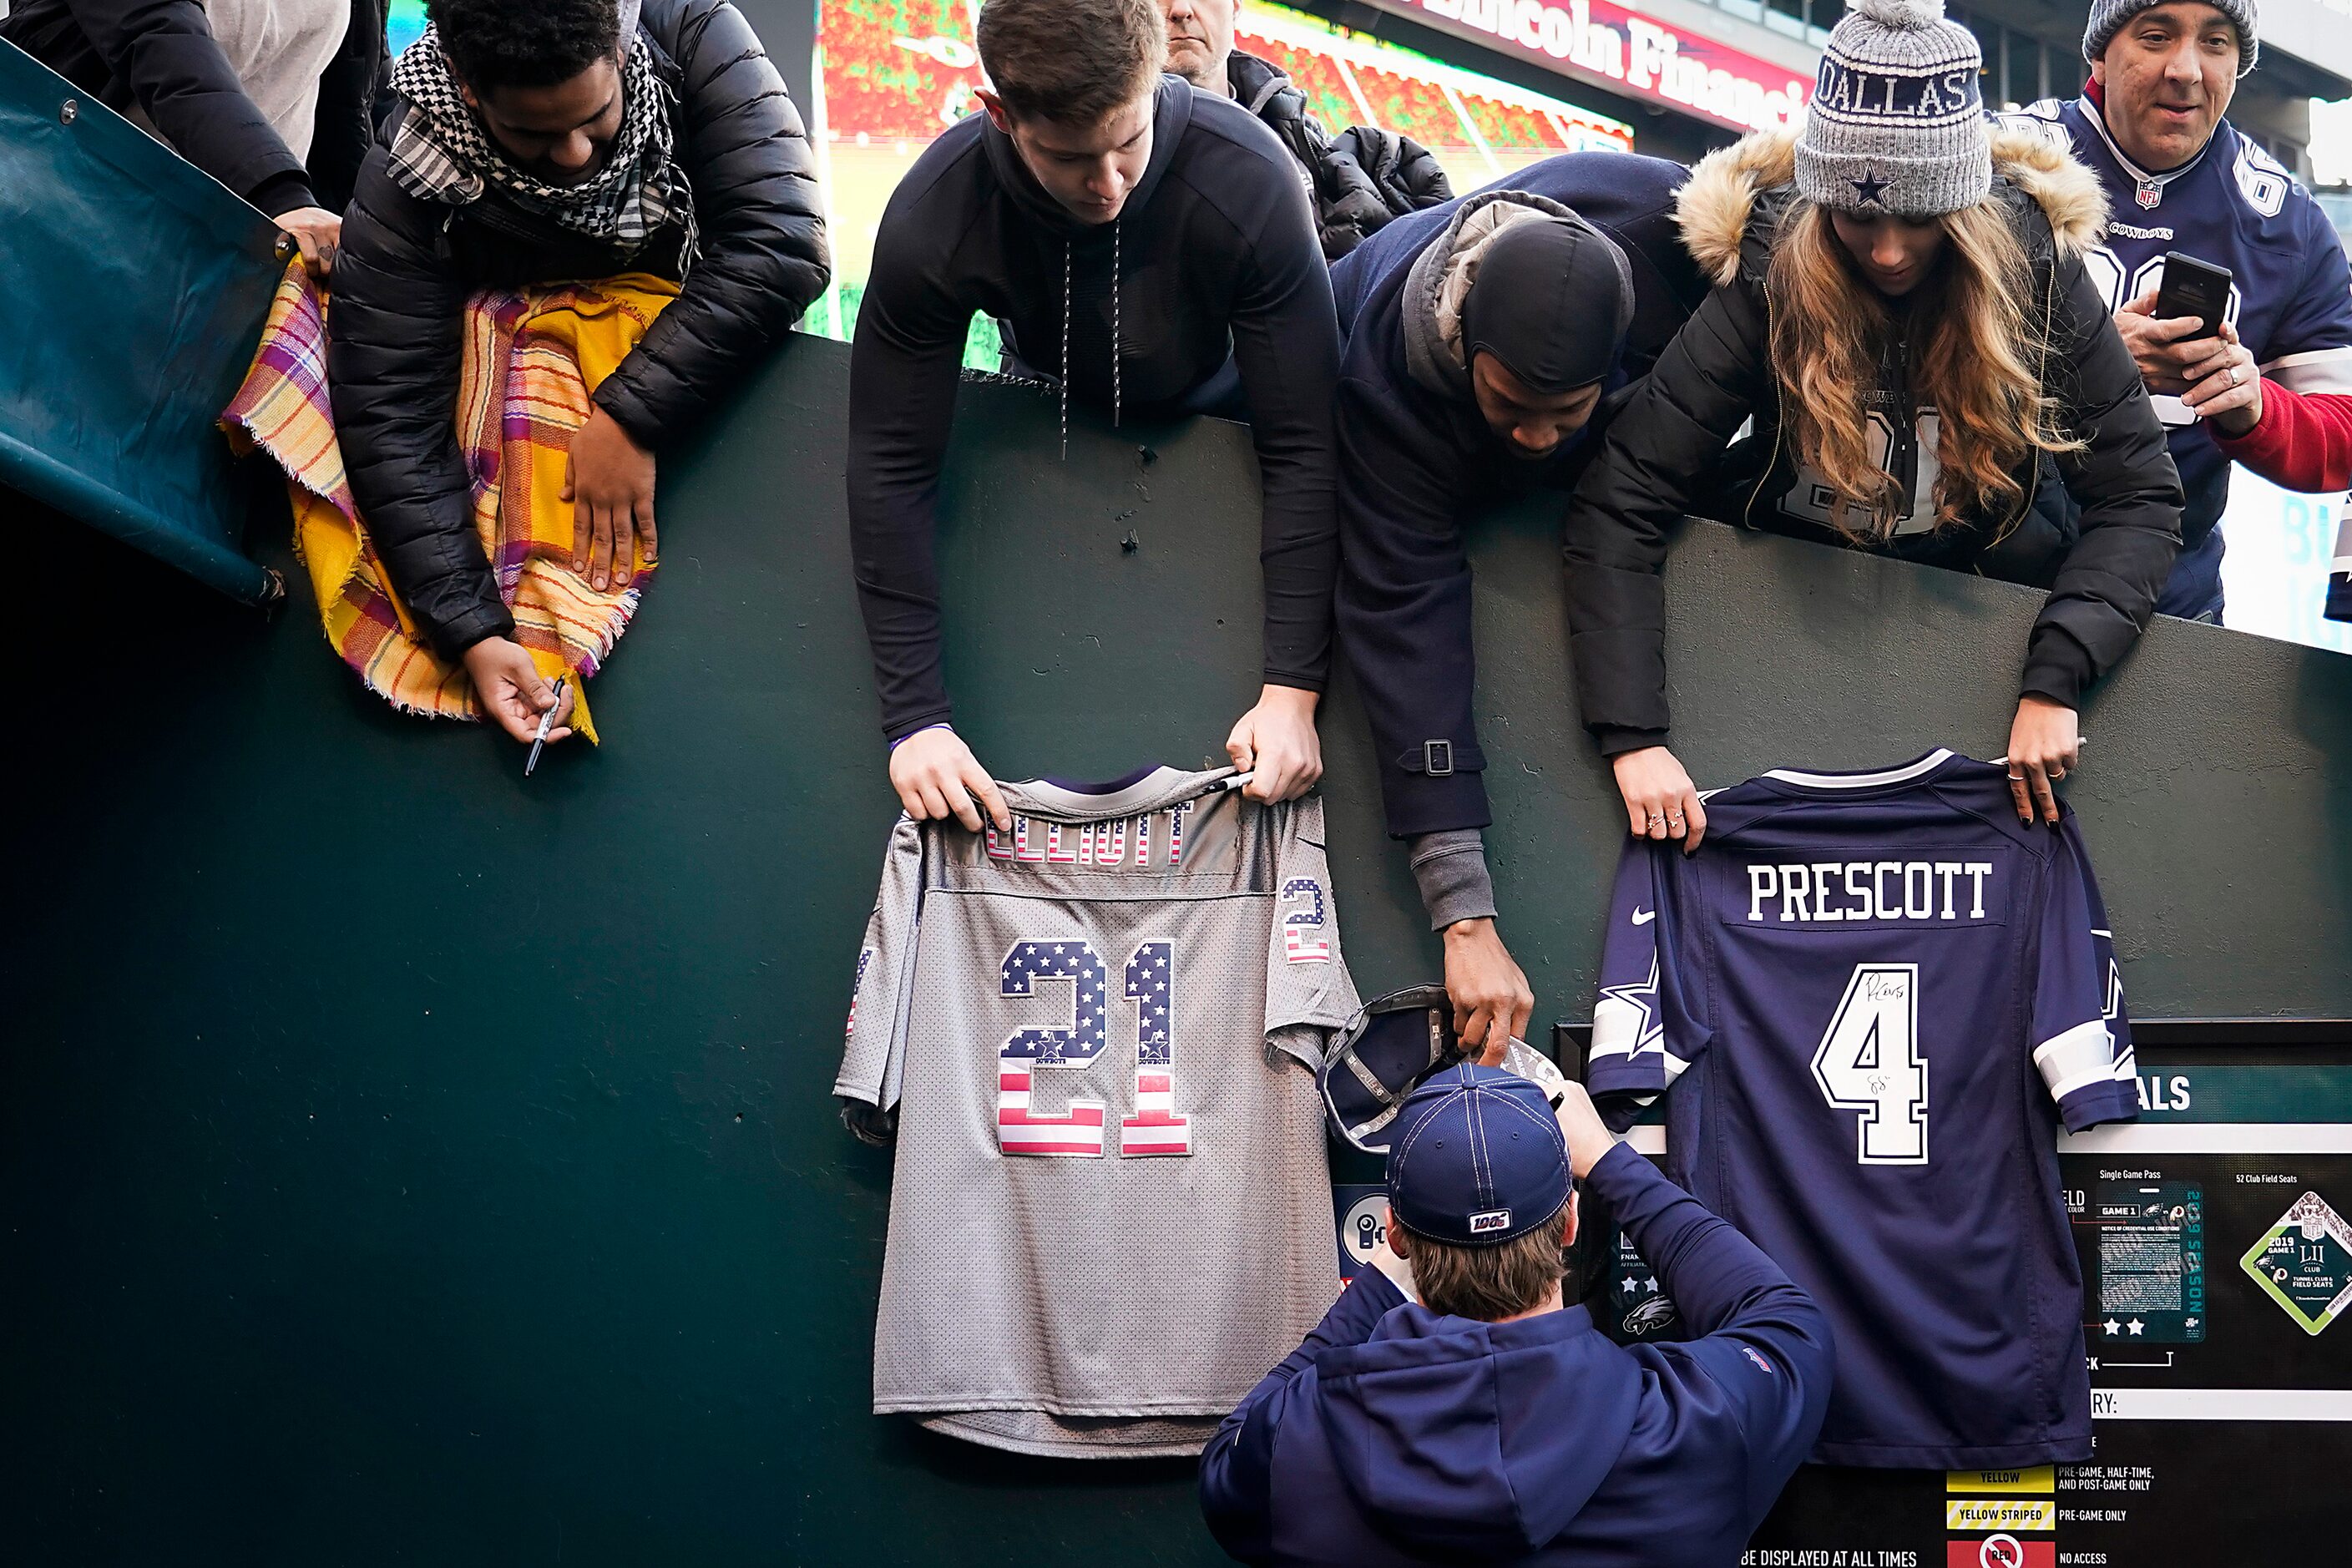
[1111, 1211]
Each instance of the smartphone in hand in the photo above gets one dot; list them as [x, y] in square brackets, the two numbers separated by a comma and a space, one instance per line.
[2194, 288]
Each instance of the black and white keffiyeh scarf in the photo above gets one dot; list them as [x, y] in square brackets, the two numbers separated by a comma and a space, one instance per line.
[440, 153]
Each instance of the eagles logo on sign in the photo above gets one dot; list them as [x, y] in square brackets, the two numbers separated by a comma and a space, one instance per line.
[1650, 1316]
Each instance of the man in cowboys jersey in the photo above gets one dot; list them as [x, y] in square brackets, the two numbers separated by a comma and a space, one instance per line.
[2273, 390]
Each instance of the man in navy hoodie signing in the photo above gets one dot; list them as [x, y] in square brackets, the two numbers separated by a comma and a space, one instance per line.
[1488, 340]
[1487, 1422]
[1146, 246]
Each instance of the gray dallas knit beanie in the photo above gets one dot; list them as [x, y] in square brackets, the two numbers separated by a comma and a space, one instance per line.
[1897, 123]
[2109, 17]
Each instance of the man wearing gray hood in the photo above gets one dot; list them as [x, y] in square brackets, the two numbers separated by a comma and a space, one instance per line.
[1488, 339]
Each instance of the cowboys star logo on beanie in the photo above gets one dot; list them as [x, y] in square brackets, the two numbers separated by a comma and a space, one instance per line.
[1896, 120]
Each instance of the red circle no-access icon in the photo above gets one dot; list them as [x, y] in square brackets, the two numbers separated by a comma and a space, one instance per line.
[1999, 1552]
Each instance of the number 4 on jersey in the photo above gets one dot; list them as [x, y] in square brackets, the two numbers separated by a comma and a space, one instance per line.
[1869, 1061]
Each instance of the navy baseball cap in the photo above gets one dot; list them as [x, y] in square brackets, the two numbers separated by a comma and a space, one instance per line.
[1477, 1159]
[1391, 1044]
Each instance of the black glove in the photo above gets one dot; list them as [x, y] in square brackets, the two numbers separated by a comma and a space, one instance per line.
[870, 1124]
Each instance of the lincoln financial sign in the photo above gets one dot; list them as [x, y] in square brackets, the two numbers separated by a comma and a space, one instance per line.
[1629, 53]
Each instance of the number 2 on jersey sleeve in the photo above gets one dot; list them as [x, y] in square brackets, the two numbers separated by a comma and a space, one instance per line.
[1869, 1061]
[1304, 940]
[1150, 983]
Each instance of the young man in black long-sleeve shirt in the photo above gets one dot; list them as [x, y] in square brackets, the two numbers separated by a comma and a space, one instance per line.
[1147, 245]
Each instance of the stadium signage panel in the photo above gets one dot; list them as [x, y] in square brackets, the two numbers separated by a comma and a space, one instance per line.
[2314, 30]
[1629, 53]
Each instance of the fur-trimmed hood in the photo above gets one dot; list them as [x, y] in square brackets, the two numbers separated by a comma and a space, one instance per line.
[1718, 206]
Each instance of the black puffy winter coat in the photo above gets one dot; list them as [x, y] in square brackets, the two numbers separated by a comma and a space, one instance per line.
[1359, 179]
[407, 265]
[160, 56]
[1665, 453]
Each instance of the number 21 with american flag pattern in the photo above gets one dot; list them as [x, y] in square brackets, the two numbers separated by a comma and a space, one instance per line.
[1150, 983]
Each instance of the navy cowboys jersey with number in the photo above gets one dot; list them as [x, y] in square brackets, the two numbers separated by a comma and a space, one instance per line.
[2290, 294]
[1111, 1210]
[1871, 998]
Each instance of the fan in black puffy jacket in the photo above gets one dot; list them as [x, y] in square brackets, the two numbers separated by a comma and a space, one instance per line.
[750, 260]
[1665, 455]
[1359, 179]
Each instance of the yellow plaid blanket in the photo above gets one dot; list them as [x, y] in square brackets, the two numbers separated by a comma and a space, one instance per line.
[531, 358]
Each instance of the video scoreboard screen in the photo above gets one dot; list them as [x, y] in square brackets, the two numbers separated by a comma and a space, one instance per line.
[892, 74]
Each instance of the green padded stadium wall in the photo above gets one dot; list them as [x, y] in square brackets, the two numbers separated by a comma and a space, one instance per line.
[402, 1162]
[137, 286]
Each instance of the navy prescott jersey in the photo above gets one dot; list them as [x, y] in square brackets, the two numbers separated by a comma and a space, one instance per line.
[1871, 1000]
[2233, 205]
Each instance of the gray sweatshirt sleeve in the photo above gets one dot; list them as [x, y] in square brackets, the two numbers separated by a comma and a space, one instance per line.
[1451, 868]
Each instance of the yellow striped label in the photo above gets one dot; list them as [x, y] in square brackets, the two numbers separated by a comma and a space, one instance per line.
[2000, 1513]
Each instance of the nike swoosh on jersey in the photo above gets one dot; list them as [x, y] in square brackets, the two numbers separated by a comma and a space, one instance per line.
[1643, 917]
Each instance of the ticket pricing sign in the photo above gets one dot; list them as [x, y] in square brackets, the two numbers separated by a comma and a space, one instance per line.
[1627, 52]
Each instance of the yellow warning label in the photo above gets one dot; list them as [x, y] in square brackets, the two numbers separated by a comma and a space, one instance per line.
[2000, 1513]
[2042, 1479]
